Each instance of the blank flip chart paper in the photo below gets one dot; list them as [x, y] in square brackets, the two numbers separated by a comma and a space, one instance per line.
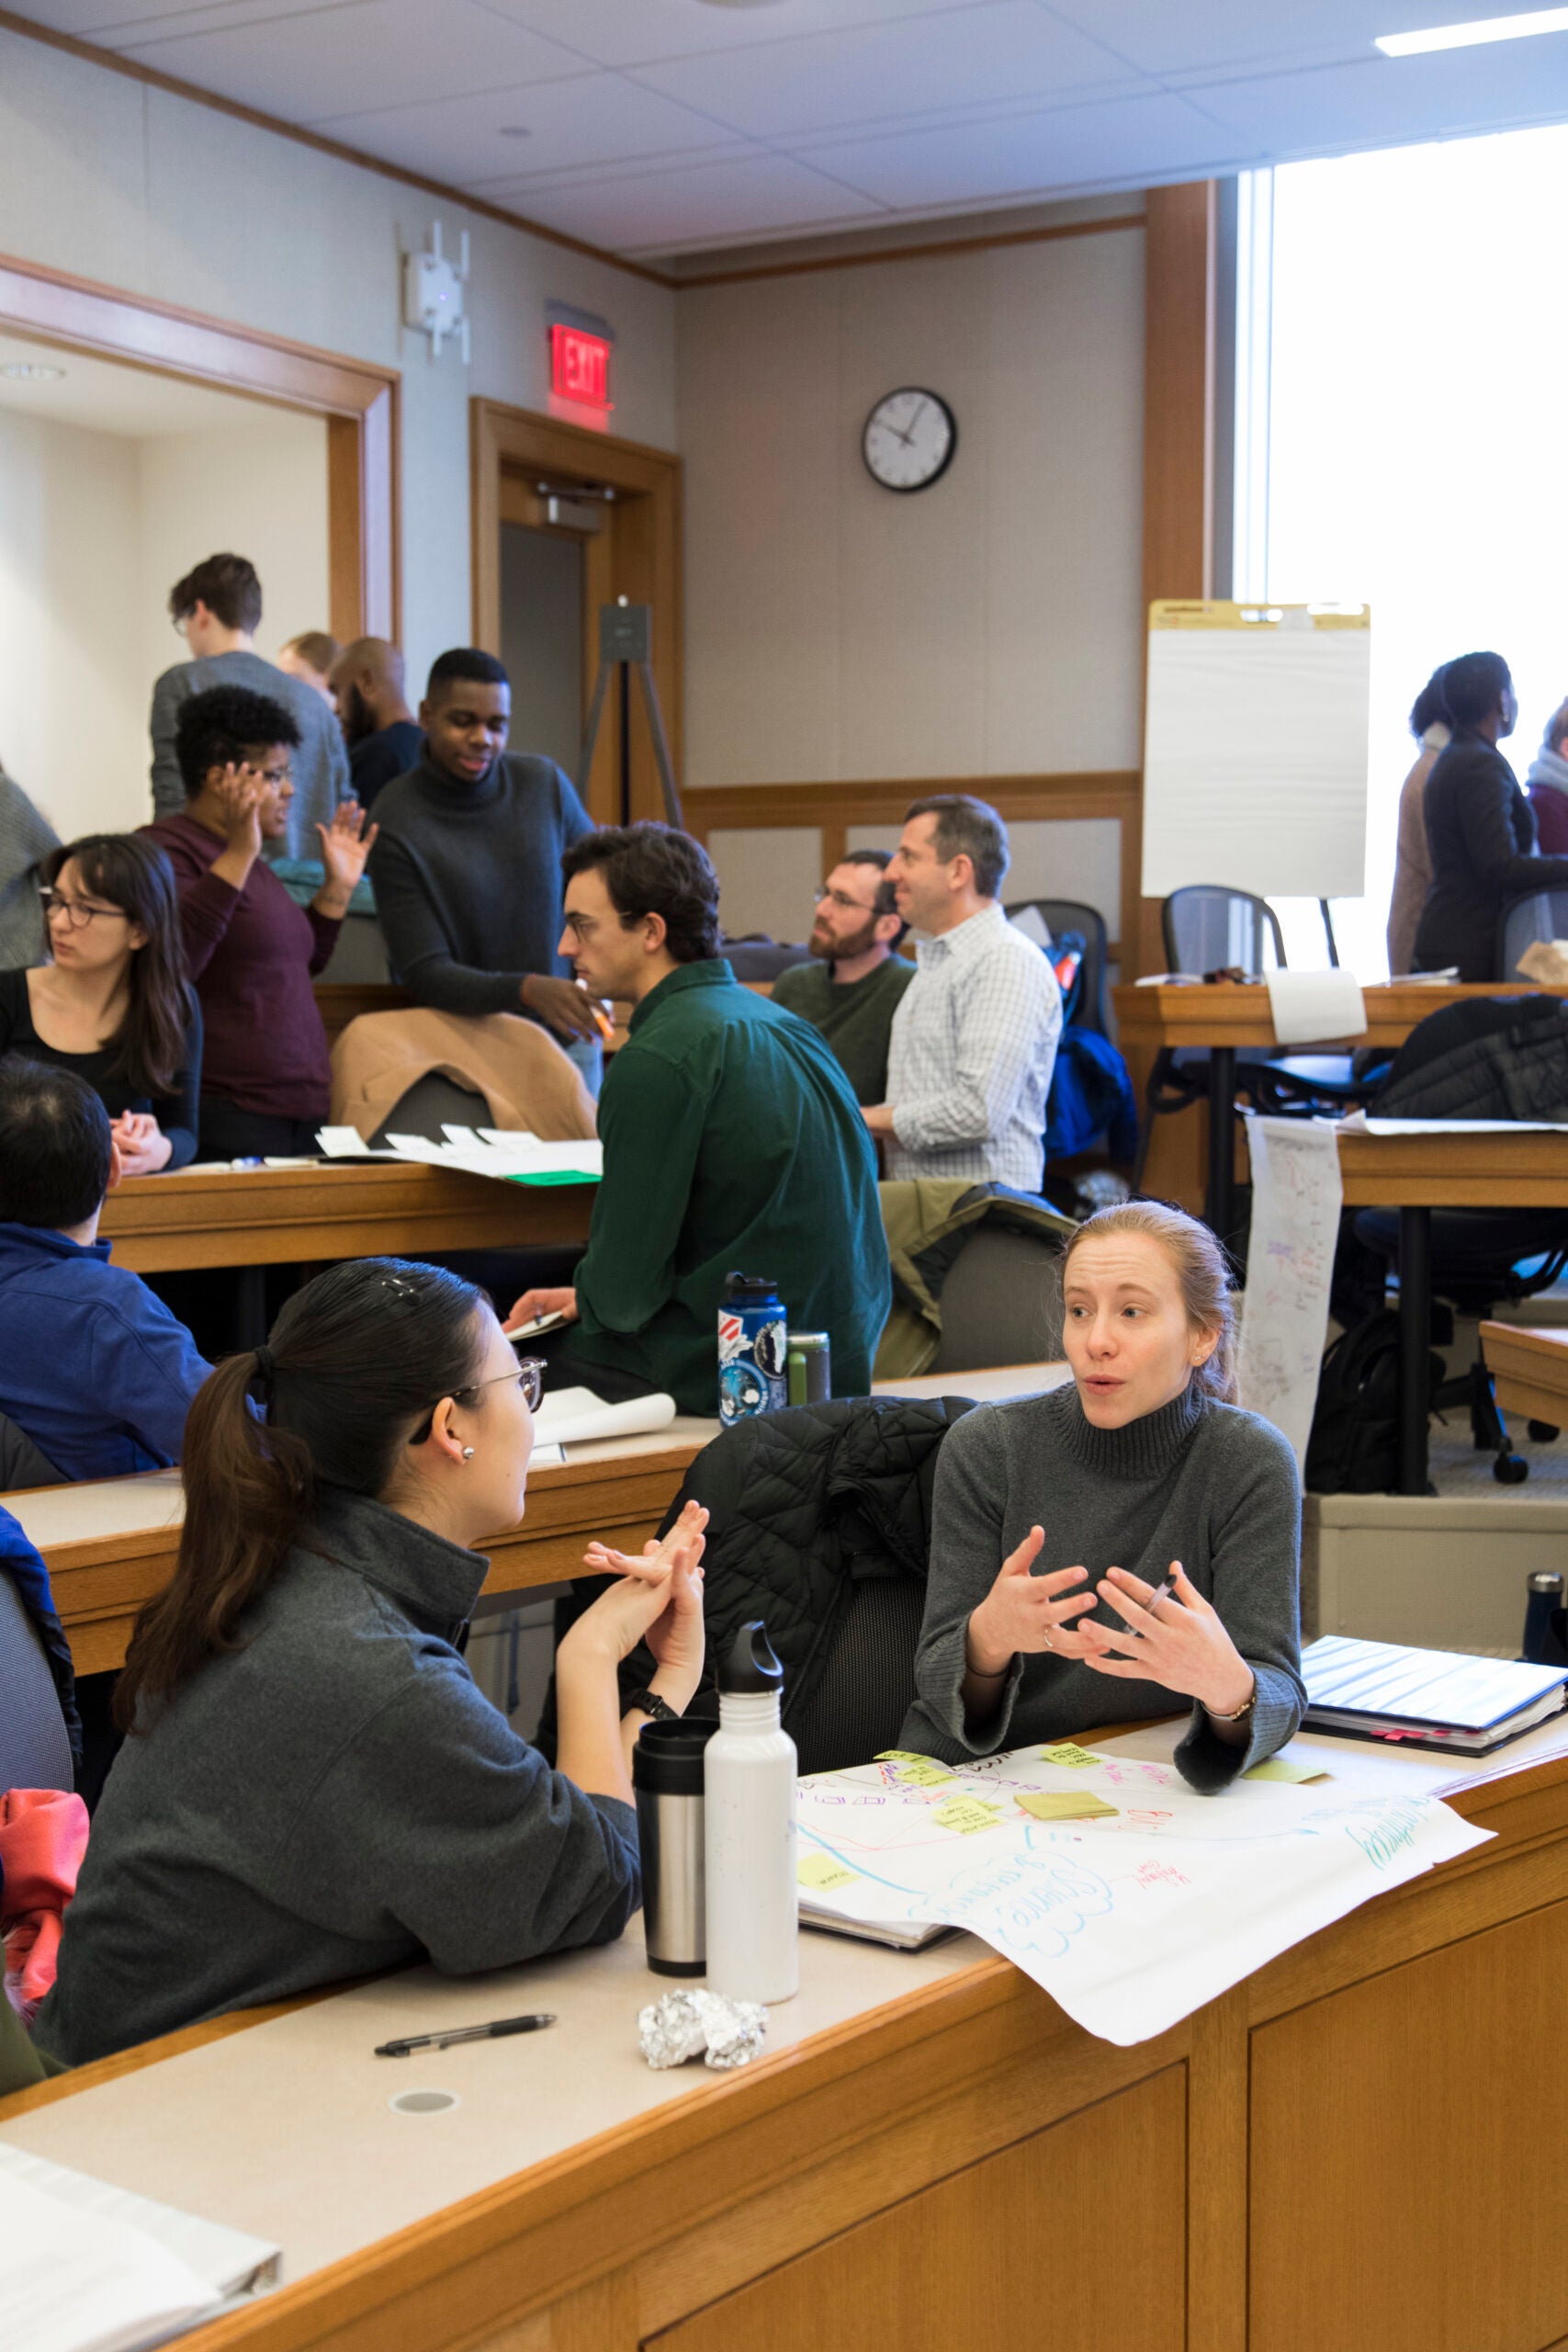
[1255, 753]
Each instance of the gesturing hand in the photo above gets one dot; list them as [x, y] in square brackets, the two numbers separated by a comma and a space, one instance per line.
[1022, 1612]
[561, 1004]
[1181, 1642]
[345, 846]
[658, 1600]
[240, 792]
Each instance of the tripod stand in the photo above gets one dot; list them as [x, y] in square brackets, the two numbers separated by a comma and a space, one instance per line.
[626, 643]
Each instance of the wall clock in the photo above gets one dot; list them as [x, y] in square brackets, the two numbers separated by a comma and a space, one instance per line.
[908, 439]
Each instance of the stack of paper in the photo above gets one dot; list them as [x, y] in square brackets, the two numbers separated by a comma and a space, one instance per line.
[573, 1416]
[511, 1157]
[1442, 1699]
[86, 2268]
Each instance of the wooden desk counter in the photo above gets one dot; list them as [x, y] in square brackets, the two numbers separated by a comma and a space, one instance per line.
[1330, 2155]
[262, 1216]
[111, 1543]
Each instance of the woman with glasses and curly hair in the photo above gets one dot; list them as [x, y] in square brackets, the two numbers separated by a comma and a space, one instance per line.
[113, 1004]
[314, 1788]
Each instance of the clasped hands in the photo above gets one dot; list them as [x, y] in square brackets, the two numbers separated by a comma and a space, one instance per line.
[657, 1598]
[1179, 1643]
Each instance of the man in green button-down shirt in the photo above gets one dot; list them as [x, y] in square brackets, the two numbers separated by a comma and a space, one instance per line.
[732, 1143]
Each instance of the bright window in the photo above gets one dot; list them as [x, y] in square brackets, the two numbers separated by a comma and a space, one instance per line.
[1402, 435]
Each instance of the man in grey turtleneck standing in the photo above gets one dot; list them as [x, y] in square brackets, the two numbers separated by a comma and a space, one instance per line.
[467, 865]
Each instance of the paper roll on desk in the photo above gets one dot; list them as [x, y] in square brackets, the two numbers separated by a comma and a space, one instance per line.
[575, 1416]
[1307, 1007]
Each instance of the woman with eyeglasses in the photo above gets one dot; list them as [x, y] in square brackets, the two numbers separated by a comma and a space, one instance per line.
[113, 1003]
[250, 950]
[313, 1787]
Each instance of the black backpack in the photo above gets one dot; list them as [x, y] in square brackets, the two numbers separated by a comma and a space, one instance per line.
[1354, 1445]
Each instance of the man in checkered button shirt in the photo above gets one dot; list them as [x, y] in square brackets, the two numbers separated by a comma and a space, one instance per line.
[975, 1035]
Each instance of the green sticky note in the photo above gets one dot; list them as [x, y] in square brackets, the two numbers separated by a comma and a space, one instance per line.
[1076, 1758]
[1284, 1768]
[966, 1813]
[823, 1872]
[1065, 1804]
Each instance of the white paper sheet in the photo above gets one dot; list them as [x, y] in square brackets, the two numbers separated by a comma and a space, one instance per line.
[1310, 1006]
[347, 1143]
[508, 1158]
[231, 2261]
[1296, 1200]
[1358, 1123]
[1134, 1920]
[76, 2283]
[572, 1415]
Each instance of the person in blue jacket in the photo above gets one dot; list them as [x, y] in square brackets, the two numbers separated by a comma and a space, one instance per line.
[24, 1564]
[93, 1367]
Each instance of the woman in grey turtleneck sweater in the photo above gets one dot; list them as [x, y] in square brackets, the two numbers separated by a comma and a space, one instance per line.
[1087, 1499]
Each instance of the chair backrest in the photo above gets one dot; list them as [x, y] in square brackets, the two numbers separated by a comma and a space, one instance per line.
[35, 1752]
[432, 1104]
[1072, 914]
[1000, 1302]
[21, 1463]
[1207, 926]
[1538, 914]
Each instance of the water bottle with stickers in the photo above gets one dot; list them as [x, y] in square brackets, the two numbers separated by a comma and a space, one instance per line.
[753, 1348]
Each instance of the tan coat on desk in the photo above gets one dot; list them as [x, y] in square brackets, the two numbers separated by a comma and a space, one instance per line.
[523, 1074]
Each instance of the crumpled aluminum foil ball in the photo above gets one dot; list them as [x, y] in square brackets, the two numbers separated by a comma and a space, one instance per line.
[681, 2026]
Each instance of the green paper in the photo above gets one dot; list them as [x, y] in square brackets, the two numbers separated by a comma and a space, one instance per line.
[1066, 1804]
[554, 1176]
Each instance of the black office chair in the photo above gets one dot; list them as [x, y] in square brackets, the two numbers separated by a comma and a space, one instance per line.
[35, 1748]
[1482, 1259]
[1091, 1006]
[1537, 915]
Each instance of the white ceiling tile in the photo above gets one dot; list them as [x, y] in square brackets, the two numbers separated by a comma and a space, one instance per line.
[1045, 154]
[375, 52]
[1180, 36]
[595, 119]
[1390, 99]
[709, 204]
[637, 32]
[1008, 49]
[97, 19]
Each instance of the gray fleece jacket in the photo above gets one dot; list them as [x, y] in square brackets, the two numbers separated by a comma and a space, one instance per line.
[1202, 1483]
[332, 1797]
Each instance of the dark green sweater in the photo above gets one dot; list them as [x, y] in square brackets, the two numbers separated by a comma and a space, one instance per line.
[1202, 1483]
[331, 1798]
[732, 1144]
[855, 1017]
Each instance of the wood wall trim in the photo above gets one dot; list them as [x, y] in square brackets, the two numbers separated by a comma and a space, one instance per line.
[151, 78]
[1179, 287]
[832, 809]
[936, 249]
[357, 400]
[641, 560]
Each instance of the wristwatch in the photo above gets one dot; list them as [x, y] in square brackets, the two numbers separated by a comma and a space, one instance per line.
[649, 1702]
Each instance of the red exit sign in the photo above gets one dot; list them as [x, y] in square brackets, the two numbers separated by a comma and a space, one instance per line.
[580, 367]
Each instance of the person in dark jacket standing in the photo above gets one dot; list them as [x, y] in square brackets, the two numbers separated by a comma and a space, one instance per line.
[1480, 828]
[732, 1143]
[384, 738]
[467, 871]
[1547, 785]
[313, 1786]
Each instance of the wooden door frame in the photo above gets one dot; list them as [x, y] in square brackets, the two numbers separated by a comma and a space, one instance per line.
[649, 571]
[358, 401]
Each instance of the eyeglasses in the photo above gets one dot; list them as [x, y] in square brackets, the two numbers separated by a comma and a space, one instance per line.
[78, 914]
[851, 906]
[529, 1375]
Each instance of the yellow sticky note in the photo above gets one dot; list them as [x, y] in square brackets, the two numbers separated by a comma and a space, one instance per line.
[966, 1813]
[923, 1775]
[823, 1872]
[900, 1755]
[1076, 1758]
[1065, 1804]
[1284, 1768]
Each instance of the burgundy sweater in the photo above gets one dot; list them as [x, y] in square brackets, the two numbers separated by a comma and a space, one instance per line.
[251, 955]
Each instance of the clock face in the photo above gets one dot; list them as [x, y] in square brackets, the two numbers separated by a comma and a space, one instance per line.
[910, 439]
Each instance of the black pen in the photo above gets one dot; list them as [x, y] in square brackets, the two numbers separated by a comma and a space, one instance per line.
[491, 2032]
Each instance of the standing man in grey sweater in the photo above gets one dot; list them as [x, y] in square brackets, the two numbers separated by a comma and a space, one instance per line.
[467, 866]
[218, 609]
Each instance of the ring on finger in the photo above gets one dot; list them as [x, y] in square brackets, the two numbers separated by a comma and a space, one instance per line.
[1046, 1639]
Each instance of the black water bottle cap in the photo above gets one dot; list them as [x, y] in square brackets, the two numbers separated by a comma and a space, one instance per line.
[748, 1666]
[749, 1290]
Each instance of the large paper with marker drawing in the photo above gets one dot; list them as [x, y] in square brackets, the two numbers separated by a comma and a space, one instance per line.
[1132, 1909]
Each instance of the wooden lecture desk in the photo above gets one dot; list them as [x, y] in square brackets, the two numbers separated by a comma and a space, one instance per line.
[1529, 1364]
[268, 1216]
[1361, 2148]
[110, 1544]
[1223, 1018]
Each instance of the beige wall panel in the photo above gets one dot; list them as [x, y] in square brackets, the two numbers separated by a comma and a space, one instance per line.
[72, 165]
[759, 432]
[1063, 637]
[768, 878]
[1068, 858]
[914, 567]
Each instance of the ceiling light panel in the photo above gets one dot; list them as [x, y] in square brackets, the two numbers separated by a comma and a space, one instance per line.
[1476, 35]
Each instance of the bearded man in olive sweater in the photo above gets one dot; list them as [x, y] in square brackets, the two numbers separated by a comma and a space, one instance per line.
[732, 1143]
[466, 865]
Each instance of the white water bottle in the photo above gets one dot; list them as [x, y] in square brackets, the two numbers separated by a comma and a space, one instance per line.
[749, 1772]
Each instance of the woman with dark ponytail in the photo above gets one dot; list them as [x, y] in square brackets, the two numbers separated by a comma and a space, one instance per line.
[313, 1787]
